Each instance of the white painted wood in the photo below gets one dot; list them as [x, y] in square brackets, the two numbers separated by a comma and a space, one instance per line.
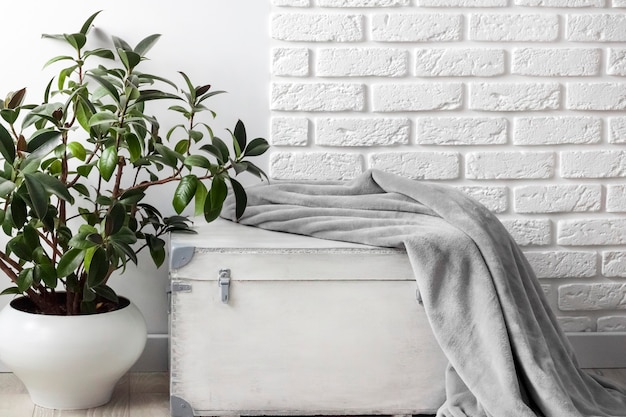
[312, 327]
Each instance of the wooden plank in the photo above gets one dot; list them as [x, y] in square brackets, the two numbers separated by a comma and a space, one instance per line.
[14, 404]
[150, 382]
[149, 405]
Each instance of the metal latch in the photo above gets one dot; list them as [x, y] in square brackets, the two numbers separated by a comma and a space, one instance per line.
[224, 282]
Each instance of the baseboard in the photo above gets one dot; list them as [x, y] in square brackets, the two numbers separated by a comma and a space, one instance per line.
[594, 350]
[600, 350]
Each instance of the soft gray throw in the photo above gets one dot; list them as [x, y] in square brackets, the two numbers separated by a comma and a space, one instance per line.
[508, 357]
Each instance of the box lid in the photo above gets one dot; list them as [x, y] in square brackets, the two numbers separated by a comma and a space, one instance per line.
[255, 254]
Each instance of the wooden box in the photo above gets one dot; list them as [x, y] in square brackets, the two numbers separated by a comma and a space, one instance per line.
[267, 323]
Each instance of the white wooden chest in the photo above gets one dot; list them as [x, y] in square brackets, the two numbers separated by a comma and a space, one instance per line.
[298, 326]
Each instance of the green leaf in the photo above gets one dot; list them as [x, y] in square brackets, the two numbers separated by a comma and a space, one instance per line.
[83, 115]
[25, 279]
[110, 88]
[98, 268]
[147, 95]
[77, 40]
[108, 162]
[215, 199]
[69, 262]
[87, 25]
[102, 118]
[256, 147]
[38, 196]
[107, 292]
[11, 291]
[100, 52]
[133, 145]
[192, 89]
[182, 146]
[7, 146]
[146, 44]
[6, 187]
[82, 189]
[197, 161]
[41, 138]
[133, 196]
[214, 150]
[19, 211]
[77, 150]
[18, 246]
[57, 59]
[219, 143]
[115, 219]
[125, 235]
[200, 198]
[130, 59]
[185, 191]
[55, 186]
[240, 136]
[45, 272]
[157, 249]
[241, 199]
[121, 43]
[84, 170]
[170, 157]
[10, 115]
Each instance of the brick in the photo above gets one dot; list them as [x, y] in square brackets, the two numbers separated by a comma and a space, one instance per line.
[529, 232]
[514, 96]
[317, 97]
[290, 62]
[448, 62]
[509, 165]
[319, 166]
[417, 96]
[291, 3]
[575, 324]
[616, 198]
[614, 264]
[297, 27]
[557, 130]
[594, 231]
[423, 27]
[513, 27]
[494, 198]
[362, 132]
[616, 62]
[556, 62]
[560, 3]
[289, 131]
[617, 130]
[418, 165]
[362, 3]
[592, 297]
[461, 131]
[557, 198]
[593, 164]
[596, 96]
[462, 3]
[596, 28]
[612, 324]
[358, 62]
[563, 264]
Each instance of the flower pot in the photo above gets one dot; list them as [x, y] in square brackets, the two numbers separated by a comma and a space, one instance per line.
[71, 362]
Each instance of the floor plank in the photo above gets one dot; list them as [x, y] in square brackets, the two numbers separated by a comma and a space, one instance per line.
[150, 382]
[10, 384]
[15, 405]
[149, 405]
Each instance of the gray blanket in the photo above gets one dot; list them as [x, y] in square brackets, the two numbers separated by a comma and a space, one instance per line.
[507, 355]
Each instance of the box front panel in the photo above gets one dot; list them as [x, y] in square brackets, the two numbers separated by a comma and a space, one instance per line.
[305, 347]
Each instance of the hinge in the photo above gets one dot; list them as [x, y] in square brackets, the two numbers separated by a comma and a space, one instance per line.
[180, 256]
[180, 407]
[223, 281]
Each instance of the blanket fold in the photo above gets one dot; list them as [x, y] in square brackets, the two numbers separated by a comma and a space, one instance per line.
[507, 354]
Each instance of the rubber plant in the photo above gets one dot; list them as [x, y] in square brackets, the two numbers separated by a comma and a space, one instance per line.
[77, 168]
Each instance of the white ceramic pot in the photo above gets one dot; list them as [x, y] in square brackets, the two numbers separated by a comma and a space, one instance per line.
[71, 362]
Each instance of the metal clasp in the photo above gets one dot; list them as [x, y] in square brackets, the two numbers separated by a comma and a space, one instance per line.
[224, 283]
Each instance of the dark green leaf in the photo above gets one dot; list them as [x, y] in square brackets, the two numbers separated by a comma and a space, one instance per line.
[84, 170]
[100, 52]
[240, 136]
[146, 44]
[125, 235]
[130, 59]
[115, 219]
[192, 89]
[77, 40]
[134, 146]
[10, 115]
[197, 161]
[107, 292]
[219, 143]
[18, 246]
[69, 262]
[215, 199]
[7, 146]
[185, 191]
[121, 43]
[98, 268]
[11, 291]
[38, 196]
[55, 186]
[25, 279]
[208, 95]
[45, 272]
[18, 211]
[108, 162]
[87, 25]
[170, 157]
[110, 88]
[256, 147]
[42, 137]
[147, 95]
[81, 188]
[57, 59]
[241, 199]
[157, 249]
[101, 118]
[214, 150]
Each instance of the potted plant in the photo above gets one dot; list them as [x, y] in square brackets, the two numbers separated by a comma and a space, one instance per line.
[75, 172]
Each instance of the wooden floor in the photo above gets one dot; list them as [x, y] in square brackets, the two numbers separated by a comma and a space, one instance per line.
[136, 395]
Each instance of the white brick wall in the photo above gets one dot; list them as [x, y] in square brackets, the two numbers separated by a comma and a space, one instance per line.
[518, 103]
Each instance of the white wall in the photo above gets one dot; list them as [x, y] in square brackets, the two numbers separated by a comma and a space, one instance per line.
[518, 102]
[223, 43]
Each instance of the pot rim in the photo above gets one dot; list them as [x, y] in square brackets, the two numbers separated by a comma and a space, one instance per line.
[14, 304]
